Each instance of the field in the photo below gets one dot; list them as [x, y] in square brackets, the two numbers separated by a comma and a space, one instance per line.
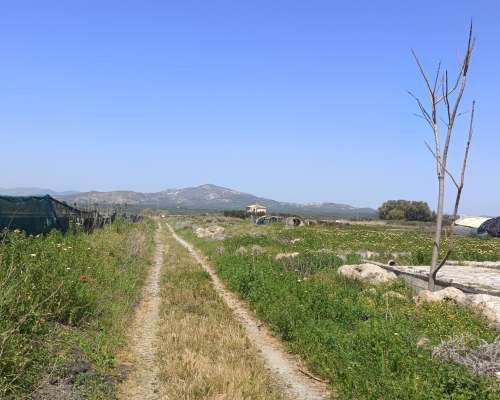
[364, 342]
[64, 303]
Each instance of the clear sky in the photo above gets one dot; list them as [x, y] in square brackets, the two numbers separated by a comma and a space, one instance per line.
[293, 100]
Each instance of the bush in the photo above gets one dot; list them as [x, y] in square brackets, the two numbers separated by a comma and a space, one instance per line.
[405, 210]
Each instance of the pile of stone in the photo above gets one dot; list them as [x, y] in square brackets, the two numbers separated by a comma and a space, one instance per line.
[213, 232]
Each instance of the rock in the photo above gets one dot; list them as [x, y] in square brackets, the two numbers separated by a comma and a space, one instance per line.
[426, 296]
[394, 295]
[370, 273]
[486, 305]
[447, 294]
[293, 241]
[214, 232]
[424, 342]
[282, 256]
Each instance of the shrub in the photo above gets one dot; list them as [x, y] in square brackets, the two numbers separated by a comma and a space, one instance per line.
[405, 210]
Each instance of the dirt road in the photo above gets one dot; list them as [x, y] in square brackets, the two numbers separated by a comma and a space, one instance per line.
[287, 371]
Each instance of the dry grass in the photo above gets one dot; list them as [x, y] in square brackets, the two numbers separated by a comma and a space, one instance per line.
[482, 360]
[204, 353]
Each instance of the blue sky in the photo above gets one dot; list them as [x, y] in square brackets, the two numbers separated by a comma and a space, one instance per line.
[292, 100]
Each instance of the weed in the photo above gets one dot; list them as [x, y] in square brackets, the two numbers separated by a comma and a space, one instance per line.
[61, 292]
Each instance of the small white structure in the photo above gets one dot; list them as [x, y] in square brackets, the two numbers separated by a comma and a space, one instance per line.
[256, 209]
[471, 222]
[468, 226]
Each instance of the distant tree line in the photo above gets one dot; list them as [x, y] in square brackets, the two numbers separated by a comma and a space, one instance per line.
[406, 210]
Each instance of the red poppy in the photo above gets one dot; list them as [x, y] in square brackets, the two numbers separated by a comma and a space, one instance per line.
[84, 278]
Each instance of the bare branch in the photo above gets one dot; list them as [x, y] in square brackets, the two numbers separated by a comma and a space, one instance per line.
[466, 157]
[445, 169]
[443, 261]
[425, 113]
[438, 70]
[422, 72]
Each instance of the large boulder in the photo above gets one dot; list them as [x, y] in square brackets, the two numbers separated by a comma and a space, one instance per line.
[369, 273]
[486, 305]
[446, 294]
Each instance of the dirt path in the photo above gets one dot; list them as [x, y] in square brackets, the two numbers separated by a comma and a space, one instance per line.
[140, 355]
[289, 374]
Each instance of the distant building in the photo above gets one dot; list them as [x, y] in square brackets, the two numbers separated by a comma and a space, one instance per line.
[256, 210]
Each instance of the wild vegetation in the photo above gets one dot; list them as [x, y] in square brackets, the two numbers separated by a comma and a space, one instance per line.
[64, 303]
[366, 341]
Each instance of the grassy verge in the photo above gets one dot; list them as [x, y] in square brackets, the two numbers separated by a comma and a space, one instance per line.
[64, 304]
[204, 353]
[352, 334]
[408, 246]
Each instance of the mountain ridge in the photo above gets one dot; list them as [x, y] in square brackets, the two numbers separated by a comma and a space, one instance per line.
[207, 197]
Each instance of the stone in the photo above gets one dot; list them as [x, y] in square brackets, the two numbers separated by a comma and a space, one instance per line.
[369, 273]
[447, 294]
[213, 232]
[282, 256]
[487, 306]
[424, 342]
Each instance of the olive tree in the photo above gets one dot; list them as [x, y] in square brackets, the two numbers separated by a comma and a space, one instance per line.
[440, 112]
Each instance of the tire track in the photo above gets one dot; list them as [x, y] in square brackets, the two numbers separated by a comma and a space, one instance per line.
[140, 355]
[288, 372]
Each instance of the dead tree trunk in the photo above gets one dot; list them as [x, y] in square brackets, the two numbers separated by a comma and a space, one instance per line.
[438, 233]
[445, 99]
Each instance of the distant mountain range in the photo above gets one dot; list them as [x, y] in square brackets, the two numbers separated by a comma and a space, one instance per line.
[200, 198]
[34, 191]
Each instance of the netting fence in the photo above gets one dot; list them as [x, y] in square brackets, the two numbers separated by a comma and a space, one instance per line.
[41, 214]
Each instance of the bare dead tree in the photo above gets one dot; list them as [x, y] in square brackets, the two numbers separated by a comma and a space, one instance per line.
[445, 98]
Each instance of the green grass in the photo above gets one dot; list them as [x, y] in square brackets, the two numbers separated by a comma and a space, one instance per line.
[387, 241]
[68, 296]
[364, 343]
